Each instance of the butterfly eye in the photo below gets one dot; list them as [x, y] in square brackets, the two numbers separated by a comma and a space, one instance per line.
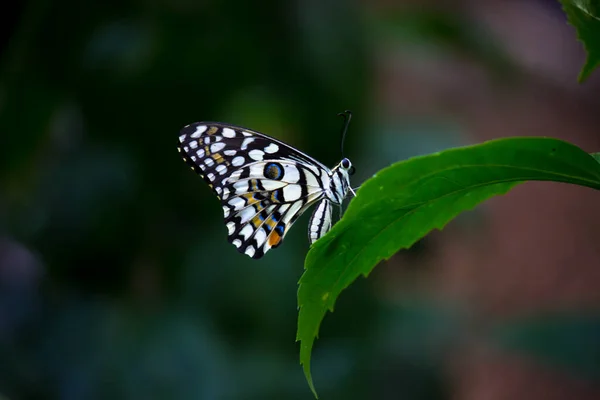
[346, 163]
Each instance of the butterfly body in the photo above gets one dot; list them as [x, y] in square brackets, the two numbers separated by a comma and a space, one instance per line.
[263, 184]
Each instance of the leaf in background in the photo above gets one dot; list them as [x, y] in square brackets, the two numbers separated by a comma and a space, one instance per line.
[584, 16]
[566, 341]
[402, 203]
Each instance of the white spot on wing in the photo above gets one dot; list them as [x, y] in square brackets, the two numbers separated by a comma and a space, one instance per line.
[193, 144]
[237, 243]
[246, 232]
[221, 169]
[182, 138]
[311, 180]
[200, 153]
[229, 152]
[292, 192]
[256, 155]
[199, 131]
[291, 173]
[216, 147]
[209, 162]
[237, 203]
[210, 176]
[256, 170]
[237, 161]
[228, 133]
[240, 186]
[294, 208]
[226, 211]
[260, 236]
[246, 142]
[250, 251]
[230, 227]
[272, 185]
[246, 214]
[272, 148]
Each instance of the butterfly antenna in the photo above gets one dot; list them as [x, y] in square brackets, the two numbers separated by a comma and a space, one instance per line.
[347, 117]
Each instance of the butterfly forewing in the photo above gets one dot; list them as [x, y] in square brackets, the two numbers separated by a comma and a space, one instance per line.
[264, 185]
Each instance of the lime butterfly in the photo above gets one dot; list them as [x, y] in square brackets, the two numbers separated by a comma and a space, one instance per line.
[264, 185]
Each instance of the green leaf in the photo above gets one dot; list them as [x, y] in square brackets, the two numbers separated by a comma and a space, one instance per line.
[569, 342]
[584, 15]
[405, 201]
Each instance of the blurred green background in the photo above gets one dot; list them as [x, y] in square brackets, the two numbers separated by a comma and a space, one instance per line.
[116, 278]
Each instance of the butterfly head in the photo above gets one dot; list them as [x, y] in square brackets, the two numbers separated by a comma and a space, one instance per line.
[346, 165]
[340, 180]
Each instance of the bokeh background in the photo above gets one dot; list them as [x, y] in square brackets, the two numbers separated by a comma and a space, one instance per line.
[116, 278]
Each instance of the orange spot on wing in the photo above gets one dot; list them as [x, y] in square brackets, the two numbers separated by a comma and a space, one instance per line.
[274, 239]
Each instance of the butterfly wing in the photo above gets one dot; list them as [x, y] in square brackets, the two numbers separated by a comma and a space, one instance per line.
[320, 221]
[264, 185]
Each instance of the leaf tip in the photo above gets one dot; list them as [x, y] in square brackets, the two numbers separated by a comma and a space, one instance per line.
[587, 69]
[306, 368]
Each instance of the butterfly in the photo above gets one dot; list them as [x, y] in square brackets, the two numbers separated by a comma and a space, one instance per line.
[263, 184]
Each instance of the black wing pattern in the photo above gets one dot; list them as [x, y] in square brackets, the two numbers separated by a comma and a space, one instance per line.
[263, 184]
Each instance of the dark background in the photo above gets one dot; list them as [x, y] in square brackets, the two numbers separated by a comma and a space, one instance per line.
[116, 278]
